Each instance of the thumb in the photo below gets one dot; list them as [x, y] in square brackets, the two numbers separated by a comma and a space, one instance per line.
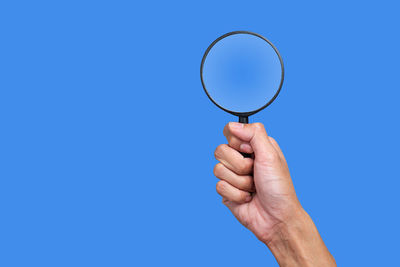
[256, 135]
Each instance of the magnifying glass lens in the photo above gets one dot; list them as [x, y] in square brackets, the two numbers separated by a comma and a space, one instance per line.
[242, 72]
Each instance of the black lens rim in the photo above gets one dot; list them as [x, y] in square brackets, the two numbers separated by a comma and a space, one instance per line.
[241, 114]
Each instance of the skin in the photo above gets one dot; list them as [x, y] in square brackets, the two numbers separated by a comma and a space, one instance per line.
[260, 194]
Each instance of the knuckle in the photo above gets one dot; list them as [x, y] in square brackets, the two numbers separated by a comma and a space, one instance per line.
[226, 128]
[258, 126]
[220, 187]
[229, 126]
[218, 151]
[224, 146]
[218, 169]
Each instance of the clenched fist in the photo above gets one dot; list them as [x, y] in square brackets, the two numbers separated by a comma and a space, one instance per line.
[260, 194]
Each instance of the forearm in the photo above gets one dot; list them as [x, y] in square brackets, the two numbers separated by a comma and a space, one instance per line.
[298, 243]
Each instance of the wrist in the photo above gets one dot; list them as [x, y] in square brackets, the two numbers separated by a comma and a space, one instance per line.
[296, 242]
[285, 242]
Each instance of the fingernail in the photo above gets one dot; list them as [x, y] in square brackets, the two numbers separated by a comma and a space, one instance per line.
[236, 125]
[248, 198]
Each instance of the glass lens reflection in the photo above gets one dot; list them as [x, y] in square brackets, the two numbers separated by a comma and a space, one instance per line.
[242, 72]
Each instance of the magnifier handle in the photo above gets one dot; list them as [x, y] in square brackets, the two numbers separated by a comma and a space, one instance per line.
[244, 120]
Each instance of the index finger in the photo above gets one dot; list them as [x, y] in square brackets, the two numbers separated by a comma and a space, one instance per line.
[235, 142]
[256, 135]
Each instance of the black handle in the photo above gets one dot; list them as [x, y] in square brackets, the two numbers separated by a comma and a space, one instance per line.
[244, 120]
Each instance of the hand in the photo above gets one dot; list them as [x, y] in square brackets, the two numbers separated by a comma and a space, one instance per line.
[263, 202]
[260, 194]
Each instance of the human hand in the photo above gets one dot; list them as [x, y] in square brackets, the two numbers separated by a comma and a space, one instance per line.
[258, 191]
[260, 194]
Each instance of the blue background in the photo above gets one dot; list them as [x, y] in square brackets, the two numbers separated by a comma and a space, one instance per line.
[107, 138]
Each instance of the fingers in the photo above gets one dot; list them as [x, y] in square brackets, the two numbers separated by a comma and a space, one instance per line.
[231, 193]
[255, 135]
[233, 160]
[244, 182]
[235, 142]
[235, 173]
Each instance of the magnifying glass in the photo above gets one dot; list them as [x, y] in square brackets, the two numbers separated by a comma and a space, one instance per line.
[242, 73]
